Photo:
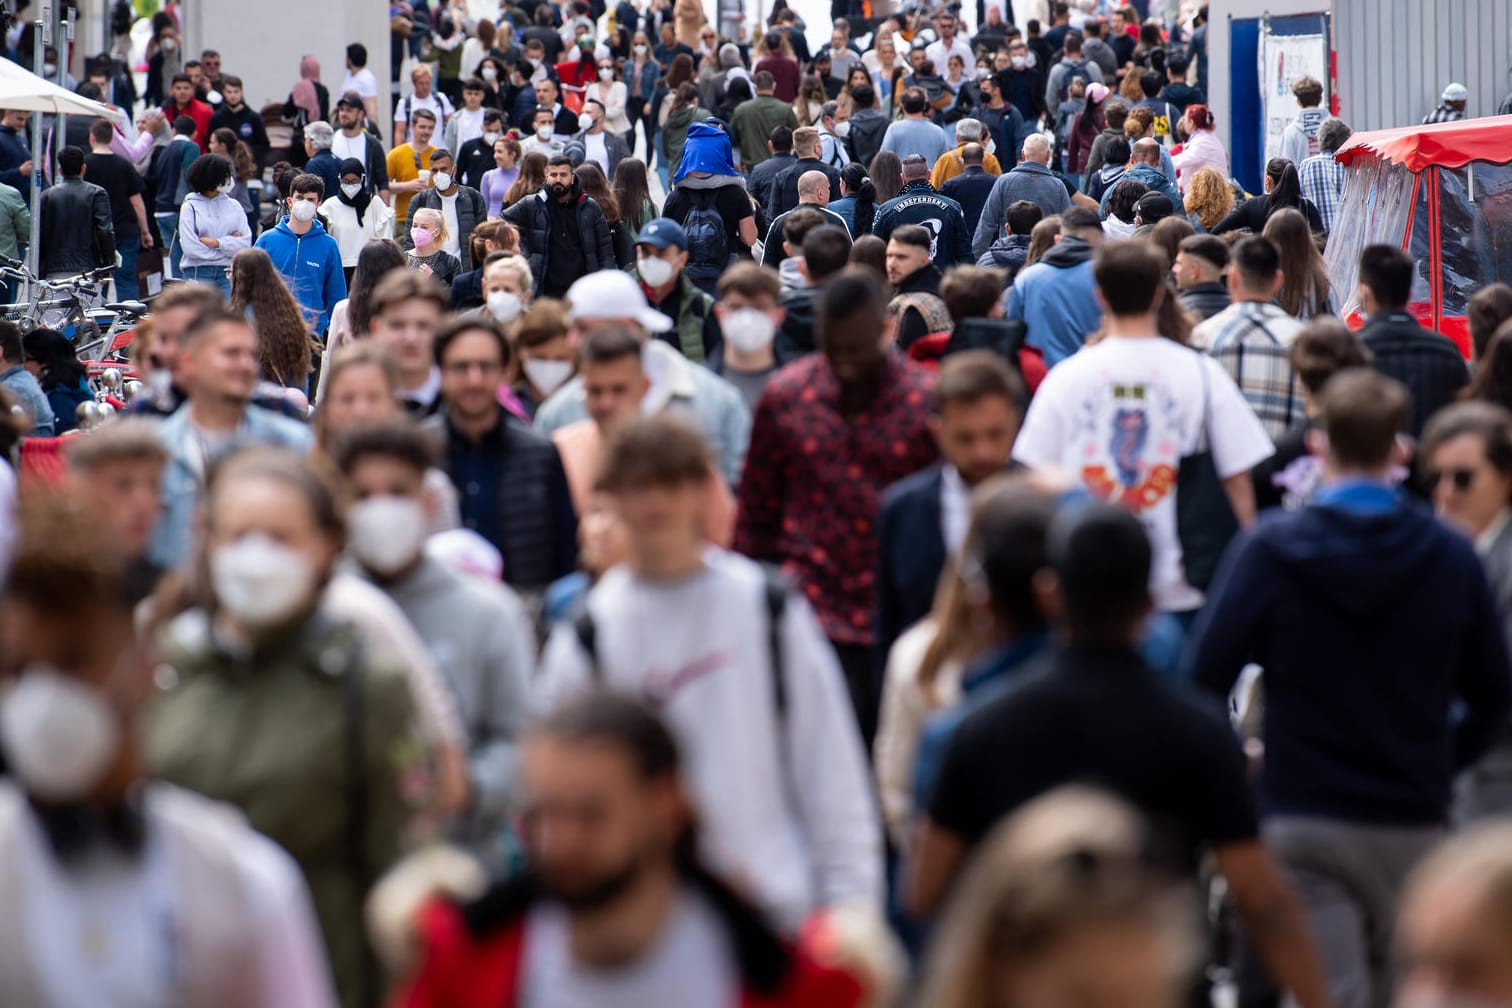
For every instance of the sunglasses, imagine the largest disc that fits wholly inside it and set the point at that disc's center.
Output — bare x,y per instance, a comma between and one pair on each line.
1461,478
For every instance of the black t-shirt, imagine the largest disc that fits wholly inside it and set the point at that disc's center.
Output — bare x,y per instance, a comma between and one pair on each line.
120,181
1103,719
731,201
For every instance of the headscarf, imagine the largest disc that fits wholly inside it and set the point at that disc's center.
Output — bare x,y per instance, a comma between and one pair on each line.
304,89
707,150
359,203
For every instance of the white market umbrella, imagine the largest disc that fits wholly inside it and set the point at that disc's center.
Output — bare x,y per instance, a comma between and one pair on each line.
23,90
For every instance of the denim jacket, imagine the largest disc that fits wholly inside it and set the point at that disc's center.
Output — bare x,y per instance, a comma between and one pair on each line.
184,475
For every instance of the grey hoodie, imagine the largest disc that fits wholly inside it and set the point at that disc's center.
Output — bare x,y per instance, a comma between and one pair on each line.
203,217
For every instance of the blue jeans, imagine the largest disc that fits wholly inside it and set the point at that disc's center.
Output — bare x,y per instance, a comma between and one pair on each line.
211,275
167,225
126,288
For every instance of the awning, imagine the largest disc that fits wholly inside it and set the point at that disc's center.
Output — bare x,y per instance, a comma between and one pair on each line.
23,90
1450,145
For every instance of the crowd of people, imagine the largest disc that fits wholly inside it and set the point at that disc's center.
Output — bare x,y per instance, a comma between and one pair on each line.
919,535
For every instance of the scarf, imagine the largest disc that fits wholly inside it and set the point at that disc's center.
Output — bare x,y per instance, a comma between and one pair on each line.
304,89
359,203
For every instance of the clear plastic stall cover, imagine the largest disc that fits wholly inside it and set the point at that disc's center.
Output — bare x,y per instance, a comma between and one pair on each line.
1374,209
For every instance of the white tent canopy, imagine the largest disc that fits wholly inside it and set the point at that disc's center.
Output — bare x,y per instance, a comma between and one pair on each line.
23,90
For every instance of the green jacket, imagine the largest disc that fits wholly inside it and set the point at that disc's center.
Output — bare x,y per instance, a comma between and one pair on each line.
15,221
695,326
752,123
270,733
674,133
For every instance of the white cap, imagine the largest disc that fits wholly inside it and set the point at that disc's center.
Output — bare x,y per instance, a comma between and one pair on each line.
1455,92
613,294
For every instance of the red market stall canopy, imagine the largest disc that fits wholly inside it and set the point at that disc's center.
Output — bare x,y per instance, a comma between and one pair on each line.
1449,145
1443,192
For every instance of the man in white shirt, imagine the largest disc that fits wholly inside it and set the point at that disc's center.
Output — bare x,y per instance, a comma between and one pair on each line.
1120,415
738,666
351,140
467,122
422,98
603,148
360,80
948,44
116,890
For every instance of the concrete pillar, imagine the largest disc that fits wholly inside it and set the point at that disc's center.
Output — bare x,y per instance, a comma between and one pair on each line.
262,43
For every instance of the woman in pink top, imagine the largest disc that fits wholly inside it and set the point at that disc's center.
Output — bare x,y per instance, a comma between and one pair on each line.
1203,149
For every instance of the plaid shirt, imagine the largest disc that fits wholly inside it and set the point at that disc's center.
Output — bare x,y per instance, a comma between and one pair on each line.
1250,340
1443,114
1323,183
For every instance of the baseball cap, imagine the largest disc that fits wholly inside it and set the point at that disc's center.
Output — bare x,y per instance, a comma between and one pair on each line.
662,232
1456,92
613,294
350,98
1154,206
1096,92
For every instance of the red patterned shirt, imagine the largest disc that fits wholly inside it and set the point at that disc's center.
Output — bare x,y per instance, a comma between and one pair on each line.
813,482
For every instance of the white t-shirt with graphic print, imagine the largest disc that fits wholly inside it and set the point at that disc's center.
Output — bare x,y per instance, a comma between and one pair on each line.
1119,415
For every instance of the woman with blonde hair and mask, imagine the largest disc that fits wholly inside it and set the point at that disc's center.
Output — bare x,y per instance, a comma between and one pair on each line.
429,256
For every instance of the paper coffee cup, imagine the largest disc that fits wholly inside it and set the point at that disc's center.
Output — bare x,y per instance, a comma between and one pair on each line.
425,176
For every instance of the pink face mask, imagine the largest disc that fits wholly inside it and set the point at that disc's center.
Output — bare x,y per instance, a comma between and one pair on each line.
421,236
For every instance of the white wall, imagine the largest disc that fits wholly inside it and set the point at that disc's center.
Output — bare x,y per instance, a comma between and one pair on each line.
262,42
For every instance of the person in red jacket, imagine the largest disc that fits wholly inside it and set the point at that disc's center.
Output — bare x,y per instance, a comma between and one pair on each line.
615,910
181,101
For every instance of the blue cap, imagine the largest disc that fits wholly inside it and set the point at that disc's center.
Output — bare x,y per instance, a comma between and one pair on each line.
663,232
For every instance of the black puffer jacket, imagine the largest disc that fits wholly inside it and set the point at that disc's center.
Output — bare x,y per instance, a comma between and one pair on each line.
532,215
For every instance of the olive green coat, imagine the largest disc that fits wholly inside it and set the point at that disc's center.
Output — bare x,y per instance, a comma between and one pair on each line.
269,732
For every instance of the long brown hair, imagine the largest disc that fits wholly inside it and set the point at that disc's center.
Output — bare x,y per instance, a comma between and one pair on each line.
1304,284
377,259
530,180
632,191
284,344
591,177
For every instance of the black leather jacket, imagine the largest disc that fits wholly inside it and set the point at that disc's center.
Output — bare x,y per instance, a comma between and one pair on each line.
77,234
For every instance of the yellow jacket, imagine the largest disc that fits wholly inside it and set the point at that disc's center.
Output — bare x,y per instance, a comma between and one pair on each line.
950,165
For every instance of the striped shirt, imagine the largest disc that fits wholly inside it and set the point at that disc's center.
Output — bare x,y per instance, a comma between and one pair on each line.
1250,340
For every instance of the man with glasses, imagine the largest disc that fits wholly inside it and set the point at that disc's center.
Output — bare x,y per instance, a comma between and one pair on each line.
511,486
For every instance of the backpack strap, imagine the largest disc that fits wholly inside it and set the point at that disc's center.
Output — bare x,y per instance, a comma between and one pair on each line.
776,589
587,637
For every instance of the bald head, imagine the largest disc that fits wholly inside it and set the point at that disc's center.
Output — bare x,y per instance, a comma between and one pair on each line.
1037,149
1147,151
813,187
972,154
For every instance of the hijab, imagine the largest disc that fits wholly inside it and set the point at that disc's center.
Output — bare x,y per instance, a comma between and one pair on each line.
304,89
359,203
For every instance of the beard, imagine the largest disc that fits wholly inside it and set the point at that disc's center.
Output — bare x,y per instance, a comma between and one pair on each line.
584,895
558,189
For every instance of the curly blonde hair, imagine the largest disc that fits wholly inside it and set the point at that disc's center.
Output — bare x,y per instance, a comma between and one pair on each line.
1209,196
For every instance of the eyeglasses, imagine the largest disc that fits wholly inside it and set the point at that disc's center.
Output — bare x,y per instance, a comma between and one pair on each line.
1461,478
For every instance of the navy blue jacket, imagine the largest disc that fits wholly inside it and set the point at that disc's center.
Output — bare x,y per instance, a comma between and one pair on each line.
328,166
970,189
911,555
14,152
1385,669
919,203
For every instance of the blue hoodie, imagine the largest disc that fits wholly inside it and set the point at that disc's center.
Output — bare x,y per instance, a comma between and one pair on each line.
311,265
1385,670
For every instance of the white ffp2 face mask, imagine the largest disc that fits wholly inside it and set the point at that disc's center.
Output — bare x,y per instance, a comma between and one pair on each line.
655,270
351,189
59,734
748,330
259,581
504,306
386,534
547,375
302,211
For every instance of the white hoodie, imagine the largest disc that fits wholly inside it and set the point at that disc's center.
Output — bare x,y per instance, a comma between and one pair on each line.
786,806
202,217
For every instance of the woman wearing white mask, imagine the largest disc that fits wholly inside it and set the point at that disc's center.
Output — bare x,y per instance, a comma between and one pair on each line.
547,358
609,91
354,216
278,706
641,73
429,255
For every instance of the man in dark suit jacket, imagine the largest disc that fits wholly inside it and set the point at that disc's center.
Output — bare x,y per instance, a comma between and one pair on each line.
979,403
1423,360
972,187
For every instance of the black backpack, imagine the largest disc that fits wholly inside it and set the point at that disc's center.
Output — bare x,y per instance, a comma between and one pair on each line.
708,241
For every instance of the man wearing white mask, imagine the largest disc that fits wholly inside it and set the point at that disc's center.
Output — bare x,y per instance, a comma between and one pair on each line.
119,889
477,632
749,316
308,259
613,298
661,259
603,148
